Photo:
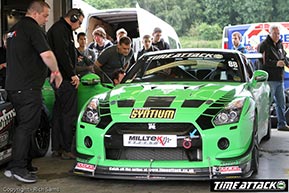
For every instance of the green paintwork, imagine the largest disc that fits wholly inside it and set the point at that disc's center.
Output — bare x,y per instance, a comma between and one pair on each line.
89,86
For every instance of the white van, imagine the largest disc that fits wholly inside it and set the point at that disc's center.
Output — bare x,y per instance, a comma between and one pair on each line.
136,21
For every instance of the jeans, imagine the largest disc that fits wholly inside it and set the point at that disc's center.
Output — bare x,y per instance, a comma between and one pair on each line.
277,94
27,104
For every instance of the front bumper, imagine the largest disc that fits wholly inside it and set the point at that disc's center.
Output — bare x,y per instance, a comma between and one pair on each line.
133,173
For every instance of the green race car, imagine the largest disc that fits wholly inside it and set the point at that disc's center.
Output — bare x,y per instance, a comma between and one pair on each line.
178,114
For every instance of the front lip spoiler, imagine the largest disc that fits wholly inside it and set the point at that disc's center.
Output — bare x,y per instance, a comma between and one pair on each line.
199,174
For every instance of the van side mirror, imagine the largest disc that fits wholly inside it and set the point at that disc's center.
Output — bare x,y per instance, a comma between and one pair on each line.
90,79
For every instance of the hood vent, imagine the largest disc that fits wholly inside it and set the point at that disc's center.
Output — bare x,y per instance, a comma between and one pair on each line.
159,101
193,103
125,103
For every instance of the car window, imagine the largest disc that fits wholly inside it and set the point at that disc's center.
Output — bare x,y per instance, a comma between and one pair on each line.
192,67
248,66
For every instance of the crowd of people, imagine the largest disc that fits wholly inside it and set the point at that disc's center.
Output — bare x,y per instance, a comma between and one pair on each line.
28,57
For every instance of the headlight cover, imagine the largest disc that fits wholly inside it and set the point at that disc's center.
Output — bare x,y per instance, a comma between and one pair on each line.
231,113
91,114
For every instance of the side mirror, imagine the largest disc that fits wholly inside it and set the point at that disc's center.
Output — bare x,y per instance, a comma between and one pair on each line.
90,79
259,76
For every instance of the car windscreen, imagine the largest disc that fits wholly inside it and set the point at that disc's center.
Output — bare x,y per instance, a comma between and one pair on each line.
190,67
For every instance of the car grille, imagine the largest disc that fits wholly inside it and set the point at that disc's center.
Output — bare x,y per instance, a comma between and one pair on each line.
147,154
161,128
116,151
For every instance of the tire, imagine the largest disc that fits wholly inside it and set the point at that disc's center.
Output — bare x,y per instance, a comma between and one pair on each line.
287,114
287,105
41,138
255,151
273,116
268,135
255,159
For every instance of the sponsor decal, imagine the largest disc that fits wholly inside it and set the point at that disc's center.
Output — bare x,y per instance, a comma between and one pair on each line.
4,139
130,140
230,163
250,185
185,55
227,170
152,113
152,126
159,170
11,34
6,117
85,167
5,154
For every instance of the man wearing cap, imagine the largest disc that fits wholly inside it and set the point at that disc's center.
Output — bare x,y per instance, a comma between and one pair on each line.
100,41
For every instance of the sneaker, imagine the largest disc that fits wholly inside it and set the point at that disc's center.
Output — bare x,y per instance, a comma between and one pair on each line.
67,155
26,177
8,174
285,128
32,169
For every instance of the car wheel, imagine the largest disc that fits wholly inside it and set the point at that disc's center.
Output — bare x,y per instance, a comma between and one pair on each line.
273,116
268,135
255,151
41,137
255,159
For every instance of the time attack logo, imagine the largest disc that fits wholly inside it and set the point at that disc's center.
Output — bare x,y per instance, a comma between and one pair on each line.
258,185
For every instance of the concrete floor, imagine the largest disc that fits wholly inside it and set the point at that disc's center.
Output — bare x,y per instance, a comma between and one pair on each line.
55,176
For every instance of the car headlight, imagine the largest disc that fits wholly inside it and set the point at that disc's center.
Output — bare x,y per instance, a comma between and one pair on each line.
91,114
231,113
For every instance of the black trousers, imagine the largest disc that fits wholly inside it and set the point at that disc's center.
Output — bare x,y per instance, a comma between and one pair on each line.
27,104
64,116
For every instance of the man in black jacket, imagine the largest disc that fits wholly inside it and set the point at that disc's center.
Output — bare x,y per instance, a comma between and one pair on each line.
60,38
274,60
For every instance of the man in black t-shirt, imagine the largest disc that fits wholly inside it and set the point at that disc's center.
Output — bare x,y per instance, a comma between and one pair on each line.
28,56
116,57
